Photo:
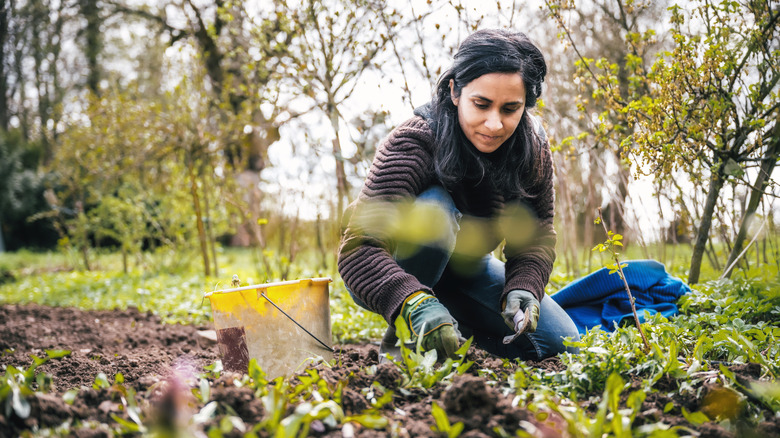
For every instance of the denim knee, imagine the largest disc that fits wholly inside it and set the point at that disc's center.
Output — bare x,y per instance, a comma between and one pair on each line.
427,258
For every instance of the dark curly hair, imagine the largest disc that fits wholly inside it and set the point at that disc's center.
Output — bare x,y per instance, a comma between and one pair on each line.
515,168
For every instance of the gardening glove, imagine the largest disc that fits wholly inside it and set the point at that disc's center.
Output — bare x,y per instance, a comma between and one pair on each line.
521,313
427,317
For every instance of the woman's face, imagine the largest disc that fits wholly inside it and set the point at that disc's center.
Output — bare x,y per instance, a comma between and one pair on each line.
490,108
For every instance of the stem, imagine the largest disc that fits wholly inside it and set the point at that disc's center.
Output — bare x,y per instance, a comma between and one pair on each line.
625,284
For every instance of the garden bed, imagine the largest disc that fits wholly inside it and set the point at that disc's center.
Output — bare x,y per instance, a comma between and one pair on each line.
116,372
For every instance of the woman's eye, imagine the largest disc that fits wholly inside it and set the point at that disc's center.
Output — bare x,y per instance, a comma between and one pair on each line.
481,105
511,110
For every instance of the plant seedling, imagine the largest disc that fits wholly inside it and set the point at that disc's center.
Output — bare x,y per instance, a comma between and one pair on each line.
614,240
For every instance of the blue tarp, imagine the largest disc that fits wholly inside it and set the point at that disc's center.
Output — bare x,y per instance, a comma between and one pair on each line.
600,298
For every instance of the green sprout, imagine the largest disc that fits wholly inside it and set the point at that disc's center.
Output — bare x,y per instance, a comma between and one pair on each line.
613,241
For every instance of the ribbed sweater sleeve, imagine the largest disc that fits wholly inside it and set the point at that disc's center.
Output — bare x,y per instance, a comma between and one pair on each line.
401,170
529,264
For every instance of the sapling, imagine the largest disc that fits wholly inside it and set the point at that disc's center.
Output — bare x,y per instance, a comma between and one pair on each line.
614,240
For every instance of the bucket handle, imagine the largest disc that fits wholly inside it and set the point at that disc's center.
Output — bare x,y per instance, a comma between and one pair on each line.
262,294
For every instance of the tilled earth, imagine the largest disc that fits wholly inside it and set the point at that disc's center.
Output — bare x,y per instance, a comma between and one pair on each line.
159,363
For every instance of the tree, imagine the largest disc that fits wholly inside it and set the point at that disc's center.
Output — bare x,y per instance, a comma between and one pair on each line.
337,41
706,106
93,42
21,188
716,102
620,38
6,10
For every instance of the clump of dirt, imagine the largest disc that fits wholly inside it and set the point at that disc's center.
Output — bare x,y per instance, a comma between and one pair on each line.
162,365
471,399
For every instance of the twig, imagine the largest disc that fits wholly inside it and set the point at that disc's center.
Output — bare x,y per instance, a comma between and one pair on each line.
731,266
610,245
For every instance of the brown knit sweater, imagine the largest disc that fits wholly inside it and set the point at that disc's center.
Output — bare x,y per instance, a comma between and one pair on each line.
401,170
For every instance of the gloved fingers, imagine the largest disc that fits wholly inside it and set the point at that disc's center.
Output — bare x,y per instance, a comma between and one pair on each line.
459,335
510,310
444,340
532,315
428,332
519,320
524,322
428,315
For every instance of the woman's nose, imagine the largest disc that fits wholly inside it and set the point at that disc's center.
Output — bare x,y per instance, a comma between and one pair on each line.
493,122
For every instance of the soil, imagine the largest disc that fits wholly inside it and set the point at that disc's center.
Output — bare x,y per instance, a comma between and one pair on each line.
161,363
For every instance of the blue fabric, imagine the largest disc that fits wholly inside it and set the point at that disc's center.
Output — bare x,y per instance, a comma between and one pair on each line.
600,298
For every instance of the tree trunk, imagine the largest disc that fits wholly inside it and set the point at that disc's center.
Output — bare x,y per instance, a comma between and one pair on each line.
212,241
5,17
320,245
767,167
23,116
702,234
569,218
204,249
92,43
341,175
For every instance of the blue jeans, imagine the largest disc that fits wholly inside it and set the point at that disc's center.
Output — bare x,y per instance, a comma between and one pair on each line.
473,299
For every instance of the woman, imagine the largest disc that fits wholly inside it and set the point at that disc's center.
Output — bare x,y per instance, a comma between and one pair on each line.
470,169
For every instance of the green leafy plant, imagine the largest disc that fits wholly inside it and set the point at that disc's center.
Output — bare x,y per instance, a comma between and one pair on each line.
613,241
19,384
420,368
443,423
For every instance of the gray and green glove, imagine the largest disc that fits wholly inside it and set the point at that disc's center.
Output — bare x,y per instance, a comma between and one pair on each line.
521,313
426,317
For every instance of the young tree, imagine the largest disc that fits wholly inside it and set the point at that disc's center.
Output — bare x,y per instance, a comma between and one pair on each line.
706,106
621,36
337,41
715,101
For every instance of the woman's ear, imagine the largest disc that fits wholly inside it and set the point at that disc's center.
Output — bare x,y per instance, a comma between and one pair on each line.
452,93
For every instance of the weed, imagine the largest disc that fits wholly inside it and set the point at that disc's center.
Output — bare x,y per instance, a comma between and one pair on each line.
443,423
419,369
19,384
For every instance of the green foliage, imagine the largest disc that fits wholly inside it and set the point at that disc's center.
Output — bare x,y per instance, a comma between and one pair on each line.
290,406
716,329
704,109
350,322
420,368
21,194
18,385
443,425
173,297
734,321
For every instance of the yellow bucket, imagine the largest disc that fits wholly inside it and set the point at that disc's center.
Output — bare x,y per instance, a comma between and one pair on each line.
282,325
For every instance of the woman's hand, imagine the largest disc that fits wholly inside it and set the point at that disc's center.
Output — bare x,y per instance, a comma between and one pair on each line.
427,317
521,311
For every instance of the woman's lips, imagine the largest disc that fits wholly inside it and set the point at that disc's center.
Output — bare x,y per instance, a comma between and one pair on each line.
490,137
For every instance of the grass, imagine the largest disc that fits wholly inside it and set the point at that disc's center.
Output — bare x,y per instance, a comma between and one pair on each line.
175,292
54,279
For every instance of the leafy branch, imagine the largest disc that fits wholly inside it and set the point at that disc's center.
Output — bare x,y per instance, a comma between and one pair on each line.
612,242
